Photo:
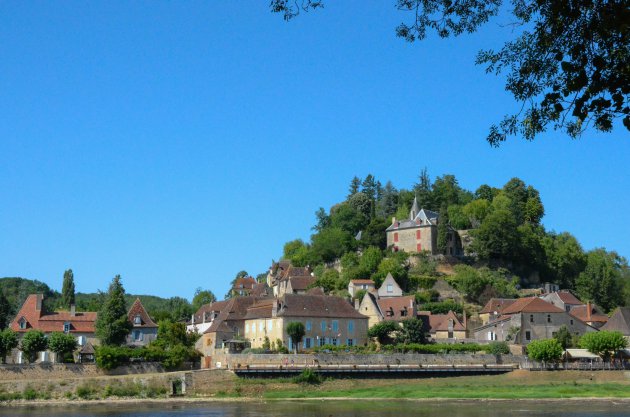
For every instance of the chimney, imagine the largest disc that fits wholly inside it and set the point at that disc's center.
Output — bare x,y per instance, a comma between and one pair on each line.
73,310
356,304
393,220
588,311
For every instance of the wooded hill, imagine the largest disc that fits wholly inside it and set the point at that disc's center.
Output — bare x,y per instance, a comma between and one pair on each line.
510,249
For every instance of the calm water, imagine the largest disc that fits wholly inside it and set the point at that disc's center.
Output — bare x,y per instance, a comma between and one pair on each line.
335,409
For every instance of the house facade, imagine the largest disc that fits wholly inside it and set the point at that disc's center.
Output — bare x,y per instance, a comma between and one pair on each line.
442,327
357,285
419,233
619,322
144,330
562,299
389,288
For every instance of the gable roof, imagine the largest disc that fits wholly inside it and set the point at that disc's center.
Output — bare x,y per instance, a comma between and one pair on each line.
423,217
301,283
440,322
568,298
393,308
531,305
36,318
306,305
246,283
137,309
497,304
619,321
581,313
389,279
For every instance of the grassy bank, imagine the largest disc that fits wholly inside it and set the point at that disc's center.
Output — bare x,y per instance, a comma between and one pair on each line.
516,385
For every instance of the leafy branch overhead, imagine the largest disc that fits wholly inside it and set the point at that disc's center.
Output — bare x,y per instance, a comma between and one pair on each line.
569,68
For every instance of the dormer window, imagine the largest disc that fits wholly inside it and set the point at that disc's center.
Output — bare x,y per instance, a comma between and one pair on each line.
66,327
137,319
22,323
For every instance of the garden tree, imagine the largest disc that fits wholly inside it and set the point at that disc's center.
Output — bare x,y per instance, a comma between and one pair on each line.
172,333
330,244
411,332
202,297
179,308
476,211
328,281
384,331
323,220
546,350
474,282
354,186
361,203
371,259
112,325
349,260
67,289
567,68
296,332
422,190
62,344
601,280
497,237
498,348
33,342
405,200
442,230
564,337
388,203
5,311
565,258
358,295
8,342
603,343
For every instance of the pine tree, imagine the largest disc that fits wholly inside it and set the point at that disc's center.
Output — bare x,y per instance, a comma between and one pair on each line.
112,325
442,230
354,186
5,311
67,290
422,190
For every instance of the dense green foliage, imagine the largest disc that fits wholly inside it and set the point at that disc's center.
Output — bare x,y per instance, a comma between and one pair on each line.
8,342
411,331
603,343
296,332
498,348
545,350
384,332
33,342
564,337
5,311
308,376
62,344
202,297
112,324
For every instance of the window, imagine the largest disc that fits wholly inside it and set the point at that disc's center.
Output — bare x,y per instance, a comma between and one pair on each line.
333,341
390,288
323,325
307,343
351,326
66,327
418,234
246,327
548,318
531,318
403,312
350,342
308,325
137,335
567,308
322,341
571,322
395,237
528,335
22,323
137,319
335,325
450,334
261,326
269,325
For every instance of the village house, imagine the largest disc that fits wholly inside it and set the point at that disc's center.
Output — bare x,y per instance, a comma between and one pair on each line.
144,329
357,285
32,316
619,322
419,233
494,308
528,319
443,326
243,286
379,309
285,278
389,288
562,299
589,314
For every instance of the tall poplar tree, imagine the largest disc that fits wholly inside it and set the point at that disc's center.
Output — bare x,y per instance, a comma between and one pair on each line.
67,290
5,311
112,324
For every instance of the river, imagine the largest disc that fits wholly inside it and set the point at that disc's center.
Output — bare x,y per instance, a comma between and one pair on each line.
389,408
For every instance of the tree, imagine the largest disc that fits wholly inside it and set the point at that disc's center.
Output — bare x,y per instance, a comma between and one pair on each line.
565,258
601,280
296,332
603,343
384,331
568,68
5,311
422,190
202,297
67,289
112,325
8,342
388,202
331,243
62,344
498,348
497,237
323,220
442,231
328,281
546,350
411,332
564,337
33,342
354,186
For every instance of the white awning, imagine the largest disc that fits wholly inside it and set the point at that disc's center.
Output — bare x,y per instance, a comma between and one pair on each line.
580,354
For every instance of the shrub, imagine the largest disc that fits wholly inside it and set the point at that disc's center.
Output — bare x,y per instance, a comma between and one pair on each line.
442,307
423,281
308,376
110,357
29,393
86,392
498,348
546,350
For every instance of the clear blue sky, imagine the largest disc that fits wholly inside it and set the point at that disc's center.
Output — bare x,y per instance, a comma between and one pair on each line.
176,143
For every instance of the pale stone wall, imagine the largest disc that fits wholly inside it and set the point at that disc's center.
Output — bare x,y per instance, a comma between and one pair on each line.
368,308
457,334
408,241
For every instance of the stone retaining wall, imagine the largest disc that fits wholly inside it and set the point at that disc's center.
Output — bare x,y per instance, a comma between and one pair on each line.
71,370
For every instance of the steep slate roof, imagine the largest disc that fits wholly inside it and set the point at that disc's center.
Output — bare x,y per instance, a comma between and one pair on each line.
301,283
581,313
32,311
396,305
304,305
497,304
531,305
137,309
423,218
619,321
234,309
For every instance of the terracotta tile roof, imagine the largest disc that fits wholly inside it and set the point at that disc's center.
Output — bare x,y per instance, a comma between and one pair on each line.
316,291
568,298
235,309
619,321
31,310
581,313
301,283
261,290
207,308
439,322
362,281
303,305
137,309
496,304
261,309
88,349
246,283
531,305
393,308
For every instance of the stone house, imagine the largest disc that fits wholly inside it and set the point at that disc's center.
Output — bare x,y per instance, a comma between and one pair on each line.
295,285
357,285
379,309
528,319
281,278
619,322
144,329
389,288
32,316
243,286
589,314
494,308
419,233
562,299
442,327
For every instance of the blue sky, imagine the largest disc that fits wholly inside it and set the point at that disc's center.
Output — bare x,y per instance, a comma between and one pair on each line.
176,143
